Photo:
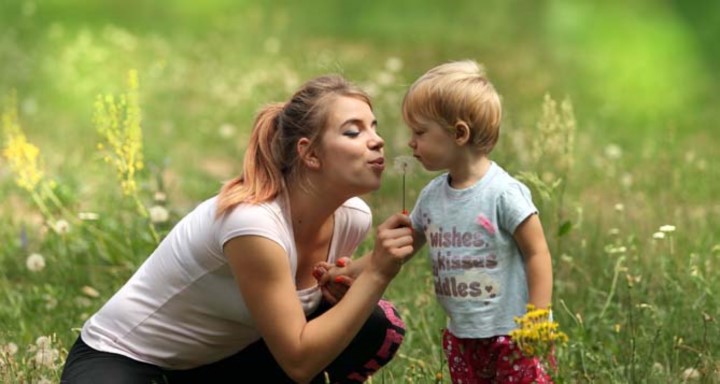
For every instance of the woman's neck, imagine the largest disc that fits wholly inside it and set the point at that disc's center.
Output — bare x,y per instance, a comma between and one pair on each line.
309,210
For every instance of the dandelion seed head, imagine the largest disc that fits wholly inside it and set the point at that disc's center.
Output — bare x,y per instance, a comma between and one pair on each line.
43,342
403,164
47,357
35,262
10,348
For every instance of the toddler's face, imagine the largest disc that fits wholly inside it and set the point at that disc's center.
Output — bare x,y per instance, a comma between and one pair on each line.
433,145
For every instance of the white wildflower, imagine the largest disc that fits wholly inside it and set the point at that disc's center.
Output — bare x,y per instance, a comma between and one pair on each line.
90,291
82,301
35,262
613,152
385,78
158,214
160,197
667,228
394,64
61,227
626,180
658,235
89,216
658,368
50,301
691,374
619,207
227,130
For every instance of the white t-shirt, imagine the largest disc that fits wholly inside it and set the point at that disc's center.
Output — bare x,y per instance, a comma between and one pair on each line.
478,270
182,308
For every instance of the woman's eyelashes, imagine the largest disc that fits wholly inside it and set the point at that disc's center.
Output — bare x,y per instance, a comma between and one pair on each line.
351,133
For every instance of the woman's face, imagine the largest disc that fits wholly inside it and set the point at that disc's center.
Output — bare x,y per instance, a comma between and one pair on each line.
351,152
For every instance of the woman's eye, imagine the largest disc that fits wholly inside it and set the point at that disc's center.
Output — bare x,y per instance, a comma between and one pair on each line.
351,133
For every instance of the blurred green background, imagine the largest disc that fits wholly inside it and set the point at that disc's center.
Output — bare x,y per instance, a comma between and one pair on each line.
641,75
642,78
642,68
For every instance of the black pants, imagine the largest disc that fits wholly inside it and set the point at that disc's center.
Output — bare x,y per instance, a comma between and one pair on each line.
373,347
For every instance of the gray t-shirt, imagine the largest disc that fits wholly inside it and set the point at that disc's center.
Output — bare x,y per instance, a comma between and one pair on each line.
477,267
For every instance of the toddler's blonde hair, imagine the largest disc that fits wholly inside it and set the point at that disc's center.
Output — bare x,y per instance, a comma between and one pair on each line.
454,92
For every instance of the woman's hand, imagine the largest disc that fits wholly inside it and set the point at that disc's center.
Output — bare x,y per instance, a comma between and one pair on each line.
393,246
334,280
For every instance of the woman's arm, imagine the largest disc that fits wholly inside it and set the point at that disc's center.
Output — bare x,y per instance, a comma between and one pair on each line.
303,348
530,238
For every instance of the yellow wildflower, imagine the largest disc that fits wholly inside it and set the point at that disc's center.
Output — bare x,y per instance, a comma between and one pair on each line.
118,122
537,333
23,156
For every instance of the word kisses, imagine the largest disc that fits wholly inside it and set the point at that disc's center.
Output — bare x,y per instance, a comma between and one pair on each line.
448,262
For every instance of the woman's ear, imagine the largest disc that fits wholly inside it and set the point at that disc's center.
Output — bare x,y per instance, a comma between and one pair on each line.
307,156
462,133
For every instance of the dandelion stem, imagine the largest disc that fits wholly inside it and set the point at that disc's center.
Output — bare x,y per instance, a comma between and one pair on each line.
403,192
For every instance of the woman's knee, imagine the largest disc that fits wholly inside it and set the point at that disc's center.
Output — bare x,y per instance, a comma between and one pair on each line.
395,329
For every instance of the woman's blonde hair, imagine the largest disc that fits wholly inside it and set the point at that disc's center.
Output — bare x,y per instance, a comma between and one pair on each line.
271,158
453,92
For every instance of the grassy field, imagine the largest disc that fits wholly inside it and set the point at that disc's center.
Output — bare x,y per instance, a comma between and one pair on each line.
610,116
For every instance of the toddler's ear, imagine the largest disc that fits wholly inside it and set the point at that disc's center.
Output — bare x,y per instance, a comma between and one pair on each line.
462,132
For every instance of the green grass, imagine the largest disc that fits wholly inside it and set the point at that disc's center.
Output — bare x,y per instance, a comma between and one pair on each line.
637,309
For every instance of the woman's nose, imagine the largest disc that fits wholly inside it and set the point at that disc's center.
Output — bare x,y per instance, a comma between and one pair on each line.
376,141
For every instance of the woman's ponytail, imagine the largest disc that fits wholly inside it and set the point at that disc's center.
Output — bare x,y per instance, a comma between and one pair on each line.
262,178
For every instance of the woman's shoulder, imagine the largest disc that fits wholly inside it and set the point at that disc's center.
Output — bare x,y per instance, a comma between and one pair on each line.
356,204
255,215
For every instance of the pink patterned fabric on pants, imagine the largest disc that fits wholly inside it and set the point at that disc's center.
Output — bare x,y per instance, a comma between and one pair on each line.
492,360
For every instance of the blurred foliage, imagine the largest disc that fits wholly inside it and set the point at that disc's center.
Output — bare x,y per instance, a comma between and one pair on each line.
640,77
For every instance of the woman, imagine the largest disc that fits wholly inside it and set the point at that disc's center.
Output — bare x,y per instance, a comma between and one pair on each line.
230,293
